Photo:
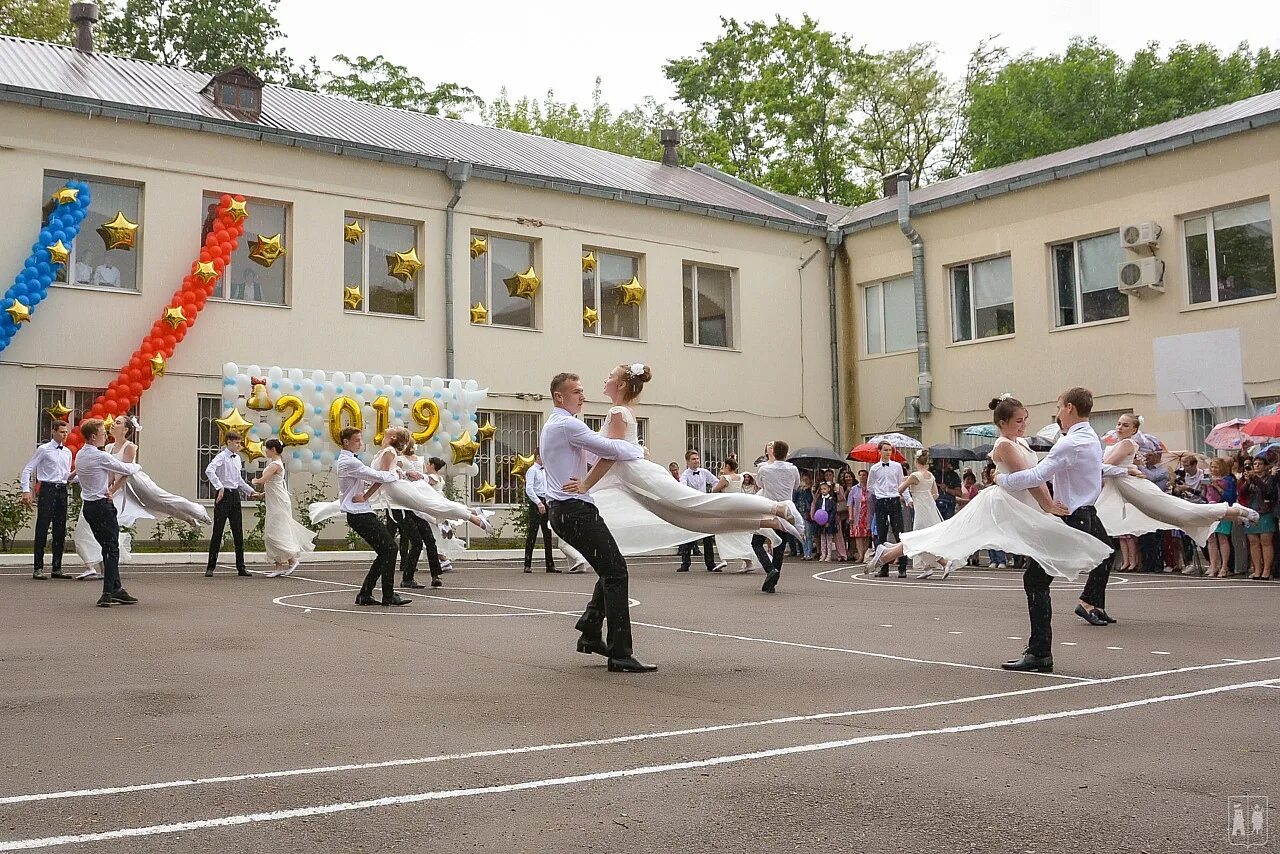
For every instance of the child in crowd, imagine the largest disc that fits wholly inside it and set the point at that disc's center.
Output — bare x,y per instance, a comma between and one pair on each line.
825,501
803,499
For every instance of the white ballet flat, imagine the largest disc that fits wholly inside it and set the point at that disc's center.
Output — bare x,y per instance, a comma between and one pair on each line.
951,567
876,559
293,565
928,573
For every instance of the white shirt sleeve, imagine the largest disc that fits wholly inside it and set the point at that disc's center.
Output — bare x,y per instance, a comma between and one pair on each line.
528,487
211,472
29,468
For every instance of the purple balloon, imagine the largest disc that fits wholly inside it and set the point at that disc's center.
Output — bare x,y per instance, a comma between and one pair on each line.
821,517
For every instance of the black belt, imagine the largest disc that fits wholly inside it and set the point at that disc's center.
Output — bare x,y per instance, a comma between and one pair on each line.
97,500
49,484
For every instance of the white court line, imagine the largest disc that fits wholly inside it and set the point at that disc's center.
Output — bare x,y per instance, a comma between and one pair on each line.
601,742
517,610
641,771
1118,583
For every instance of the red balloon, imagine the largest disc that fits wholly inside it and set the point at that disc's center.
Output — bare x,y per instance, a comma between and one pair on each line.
211,239
224,199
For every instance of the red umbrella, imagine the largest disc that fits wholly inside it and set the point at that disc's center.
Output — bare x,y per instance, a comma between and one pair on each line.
1266,426
869,453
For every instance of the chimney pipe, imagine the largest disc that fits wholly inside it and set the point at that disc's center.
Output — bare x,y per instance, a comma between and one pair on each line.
889,183
670,139
83,17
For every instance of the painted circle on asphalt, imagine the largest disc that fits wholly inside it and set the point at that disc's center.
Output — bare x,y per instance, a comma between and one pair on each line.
530,603
961,580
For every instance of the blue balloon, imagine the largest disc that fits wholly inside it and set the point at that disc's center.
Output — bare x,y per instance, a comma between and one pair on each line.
44,267
359,389
46,236
35,299
59,235
21,289
228,380
46,279
397,392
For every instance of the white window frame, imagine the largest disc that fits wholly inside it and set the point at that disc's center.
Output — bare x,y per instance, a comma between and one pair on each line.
364,221
78,399
973,310
879,289
534,245
208,410
1212,248
224,281
597,331
69,268
1078,285
731,309
496,469
596,422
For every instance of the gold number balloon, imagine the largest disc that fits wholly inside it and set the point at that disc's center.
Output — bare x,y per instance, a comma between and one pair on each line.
426,413
290,406
381,409
339,406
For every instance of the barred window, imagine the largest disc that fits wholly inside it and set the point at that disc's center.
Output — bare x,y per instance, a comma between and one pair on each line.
596,423
715,442
517,435
78,400
208,411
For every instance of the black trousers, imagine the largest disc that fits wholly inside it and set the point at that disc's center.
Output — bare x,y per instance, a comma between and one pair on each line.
889,519
224,511
708,552
1095,588
1035,582
1151,549
773,563
51,510
579,524
415,534
538,522
381,540
101,516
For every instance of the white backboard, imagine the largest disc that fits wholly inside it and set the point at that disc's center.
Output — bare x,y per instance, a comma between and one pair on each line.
1201,370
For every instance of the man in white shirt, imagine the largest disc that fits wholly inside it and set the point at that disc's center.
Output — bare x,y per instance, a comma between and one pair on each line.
225,475
354,480
883,481
564,445
696,477
1075,469
535,489
778,481
51,466
94,470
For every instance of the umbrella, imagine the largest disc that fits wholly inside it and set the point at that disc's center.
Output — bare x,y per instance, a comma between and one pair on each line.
1259,450
1039,443
1264,426
1050,433
951,452
869,452
1146,443
1269,409
897,440
1228,436
983,451
817,458
987,431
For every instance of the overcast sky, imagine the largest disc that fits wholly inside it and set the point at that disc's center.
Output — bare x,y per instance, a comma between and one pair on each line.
531,47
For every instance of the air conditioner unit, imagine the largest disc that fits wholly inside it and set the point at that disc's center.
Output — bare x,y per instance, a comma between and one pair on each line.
1142,276
1139,235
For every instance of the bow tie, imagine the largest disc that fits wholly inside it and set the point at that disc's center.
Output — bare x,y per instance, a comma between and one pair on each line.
59,447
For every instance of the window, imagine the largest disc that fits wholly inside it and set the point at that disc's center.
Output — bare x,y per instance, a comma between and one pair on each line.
92,264
982,299
367,265
602,291
708,306
246,279
1239,242
503,258
891,316
208,411
239,98
963,440
1104,421
1086,280
1203,420
517,435
78,400
595,422
715,442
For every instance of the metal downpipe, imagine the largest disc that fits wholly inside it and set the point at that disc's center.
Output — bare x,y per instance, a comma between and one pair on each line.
924,377
458,172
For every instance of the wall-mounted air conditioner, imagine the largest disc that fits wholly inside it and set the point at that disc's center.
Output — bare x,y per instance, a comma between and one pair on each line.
1142,276
1139,235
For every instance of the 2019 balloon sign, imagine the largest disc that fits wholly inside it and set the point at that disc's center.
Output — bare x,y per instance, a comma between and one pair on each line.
308,409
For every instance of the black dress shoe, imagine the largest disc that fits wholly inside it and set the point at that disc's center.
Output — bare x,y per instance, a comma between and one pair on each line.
396,599
630,665
365,599
1098,612
104,601
1031,663
435,582
770,581
528,569
883,573
902,573
122,597
1090,617
410,584
208,573
39,575
243,572
553,569
57,573
683,569
592,646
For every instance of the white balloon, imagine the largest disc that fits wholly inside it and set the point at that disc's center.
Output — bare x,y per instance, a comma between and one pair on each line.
437,384
471,385
275,373
308,388
314,466
230,369
330,391
358,378
318,378
253,371
348,389
455,386
339,378
473,399
377,381
294,465
295,375
416,382
473,469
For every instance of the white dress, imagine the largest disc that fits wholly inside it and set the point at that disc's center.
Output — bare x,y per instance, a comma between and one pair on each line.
926,510
284,537
417,496
87,548
647,510
1136,506
1011,522
738,546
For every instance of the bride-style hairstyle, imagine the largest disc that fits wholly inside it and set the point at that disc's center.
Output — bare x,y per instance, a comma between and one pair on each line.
633,377
1135,420
400,438
1003,408
922,458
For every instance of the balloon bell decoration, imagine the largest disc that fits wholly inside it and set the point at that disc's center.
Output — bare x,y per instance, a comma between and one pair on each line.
307,411
176,320
49,253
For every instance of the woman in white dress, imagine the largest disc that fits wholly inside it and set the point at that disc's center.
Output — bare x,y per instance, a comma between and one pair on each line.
284,537
644,508
1134,506
736,546
1023,522
923,488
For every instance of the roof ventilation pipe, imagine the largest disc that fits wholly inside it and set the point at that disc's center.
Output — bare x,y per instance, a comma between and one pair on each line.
670,139
83,17
924,378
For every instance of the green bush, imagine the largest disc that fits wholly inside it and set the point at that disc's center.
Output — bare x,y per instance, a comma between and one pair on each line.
13,513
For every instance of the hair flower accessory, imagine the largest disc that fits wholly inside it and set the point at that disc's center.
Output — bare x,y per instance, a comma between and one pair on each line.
1006,396
1141,420
636,369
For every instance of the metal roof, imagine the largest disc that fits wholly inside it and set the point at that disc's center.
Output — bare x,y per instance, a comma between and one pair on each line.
59,77
1258,111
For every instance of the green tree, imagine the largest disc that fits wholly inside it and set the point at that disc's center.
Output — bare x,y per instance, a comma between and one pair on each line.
42,20
379,81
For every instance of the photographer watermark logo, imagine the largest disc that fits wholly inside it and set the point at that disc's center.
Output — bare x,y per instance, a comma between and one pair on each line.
1248,821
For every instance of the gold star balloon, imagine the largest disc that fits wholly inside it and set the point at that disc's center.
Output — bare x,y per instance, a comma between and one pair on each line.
351,232
251,450
590,317
523,284
521,465
19,312
588,262
233,420
266,250
119,233
65,196
631,293
464,449
479,314
205,271
479,246
158,365
59,253
58,412
108,423
238,210
351,298
403,265
174,317
486,491
486,431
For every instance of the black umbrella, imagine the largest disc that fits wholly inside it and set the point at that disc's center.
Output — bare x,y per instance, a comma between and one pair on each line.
817,458
951,452
982,451
1039,443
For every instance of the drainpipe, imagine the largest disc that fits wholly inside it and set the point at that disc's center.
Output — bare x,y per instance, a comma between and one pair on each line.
457,172
924,378
834,237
